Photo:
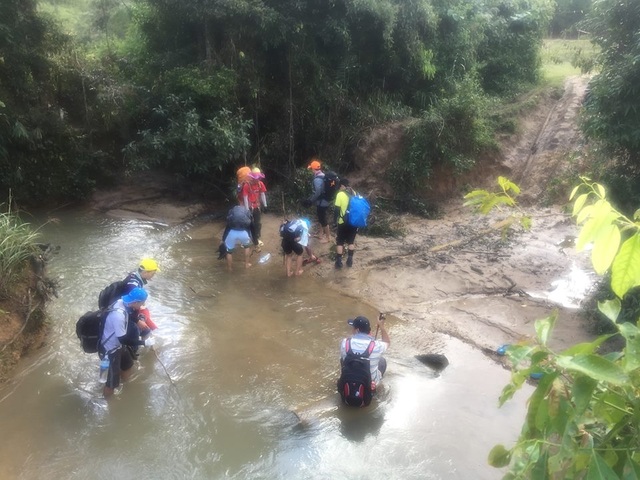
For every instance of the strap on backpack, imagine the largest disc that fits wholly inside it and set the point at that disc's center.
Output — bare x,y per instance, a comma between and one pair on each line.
366,353
126,318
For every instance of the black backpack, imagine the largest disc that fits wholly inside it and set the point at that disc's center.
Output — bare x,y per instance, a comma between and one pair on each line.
330,186
239,218
111,293
291,229
354,385
89,329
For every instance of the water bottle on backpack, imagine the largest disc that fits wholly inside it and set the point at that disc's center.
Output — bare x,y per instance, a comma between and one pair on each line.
104,369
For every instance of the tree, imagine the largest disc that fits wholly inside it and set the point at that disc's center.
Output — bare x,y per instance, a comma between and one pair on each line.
583,417
612,106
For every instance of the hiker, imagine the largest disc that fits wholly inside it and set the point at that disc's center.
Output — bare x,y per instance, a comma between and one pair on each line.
237,231
114,341
319,198
142,322
355,388
253,195
295,241
346,234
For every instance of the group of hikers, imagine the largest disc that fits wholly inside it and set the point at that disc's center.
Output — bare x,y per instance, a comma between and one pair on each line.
331,196
127,324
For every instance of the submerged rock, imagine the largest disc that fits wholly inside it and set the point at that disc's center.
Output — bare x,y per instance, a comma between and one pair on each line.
436,361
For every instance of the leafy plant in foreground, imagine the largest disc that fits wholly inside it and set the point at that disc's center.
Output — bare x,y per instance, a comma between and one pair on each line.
17,244
583,418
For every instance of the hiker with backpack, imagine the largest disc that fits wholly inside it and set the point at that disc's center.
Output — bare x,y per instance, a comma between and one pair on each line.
141,325
115,344
346,233
325,186
295,241
253,197
237,231
361,362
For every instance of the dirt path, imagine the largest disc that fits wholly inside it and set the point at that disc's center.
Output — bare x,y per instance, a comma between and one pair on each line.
457,275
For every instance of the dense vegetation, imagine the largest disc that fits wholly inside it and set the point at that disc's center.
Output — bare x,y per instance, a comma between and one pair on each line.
195,88
93,89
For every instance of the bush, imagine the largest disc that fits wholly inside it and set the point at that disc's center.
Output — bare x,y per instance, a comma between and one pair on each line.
17,245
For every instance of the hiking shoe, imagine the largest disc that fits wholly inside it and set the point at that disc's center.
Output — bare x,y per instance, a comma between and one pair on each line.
338,263
349,261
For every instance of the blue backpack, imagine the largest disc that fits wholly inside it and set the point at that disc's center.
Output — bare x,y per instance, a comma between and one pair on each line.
357,211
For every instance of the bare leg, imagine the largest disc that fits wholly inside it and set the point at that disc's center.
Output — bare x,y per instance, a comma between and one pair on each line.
247,254
287,265
327,233
299,270
229,261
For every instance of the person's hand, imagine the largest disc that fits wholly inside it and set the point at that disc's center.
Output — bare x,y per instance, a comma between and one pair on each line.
381,319
306,203
150,342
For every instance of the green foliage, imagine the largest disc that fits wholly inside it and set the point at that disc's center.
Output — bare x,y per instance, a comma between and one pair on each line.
567,17
582,417
563,57
612,107
180,140
17,245
452,133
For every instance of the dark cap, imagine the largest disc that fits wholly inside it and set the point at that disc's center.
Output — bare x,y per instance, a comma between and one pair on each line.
344,181
361,323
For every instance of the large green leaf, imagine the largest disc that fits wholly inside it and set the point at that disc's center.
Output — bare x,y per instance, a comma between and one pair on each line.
545,326
586,347
631,470
499,456
582,393
605,247
631,359
599,470
610,309
579,203
595,367
625,271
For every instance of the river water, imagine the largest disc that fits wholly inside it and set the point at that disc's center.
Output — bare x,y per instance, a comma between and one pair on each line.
241,384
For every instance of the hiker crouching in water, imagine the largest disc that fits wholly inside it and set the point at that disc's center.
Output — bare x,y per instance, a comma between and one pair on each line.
361,362
237,231
346,234
114,340
295,241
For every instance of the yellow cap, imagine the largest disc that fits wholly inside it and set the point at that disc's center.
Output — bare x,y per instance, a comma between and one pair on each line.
149,265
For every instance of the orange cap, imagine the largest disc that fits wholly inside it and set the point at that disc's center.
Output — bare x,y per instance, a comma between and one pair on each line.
314,165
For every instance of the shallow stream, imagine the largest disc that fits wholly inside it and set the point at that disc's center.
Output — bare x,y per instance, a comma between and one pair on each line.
241,384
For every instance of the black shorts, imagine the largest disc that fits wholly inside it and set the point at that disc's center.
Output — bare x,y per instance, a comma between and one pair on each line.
346,234
291,246
119,359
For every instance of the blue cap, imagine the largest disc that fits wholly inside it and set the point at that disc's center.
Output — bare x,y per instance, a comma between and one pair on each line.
136,295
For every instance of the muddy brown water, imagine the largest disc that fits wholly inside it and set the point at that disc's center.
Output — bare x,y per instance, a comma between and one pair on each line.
242,382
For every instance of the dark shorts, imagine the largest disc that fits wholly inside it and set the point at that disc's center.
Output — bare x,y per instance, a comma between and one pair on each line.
119,359
291,246
346,234
322,215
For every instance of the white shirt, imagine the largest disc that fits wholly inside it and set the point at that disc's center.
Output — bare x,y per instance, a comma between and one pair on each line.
359,343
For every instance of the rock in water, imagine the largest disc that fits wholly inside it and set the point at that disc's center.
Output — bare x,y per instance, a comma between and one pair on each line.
434,360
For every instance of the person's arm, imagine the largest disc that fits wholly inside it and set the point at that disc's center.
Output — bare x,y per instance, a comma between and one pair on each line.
318,184
383,331
263,199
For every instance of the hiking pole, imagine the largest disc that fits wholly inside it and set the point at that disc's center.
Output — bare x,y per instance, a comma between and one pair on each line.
165,368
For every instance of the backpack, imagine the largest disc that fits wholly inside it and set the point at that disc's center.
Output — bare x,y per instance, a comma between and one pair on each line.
239,218
357,211
89,329
291,229
330,186
111,293
354,385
